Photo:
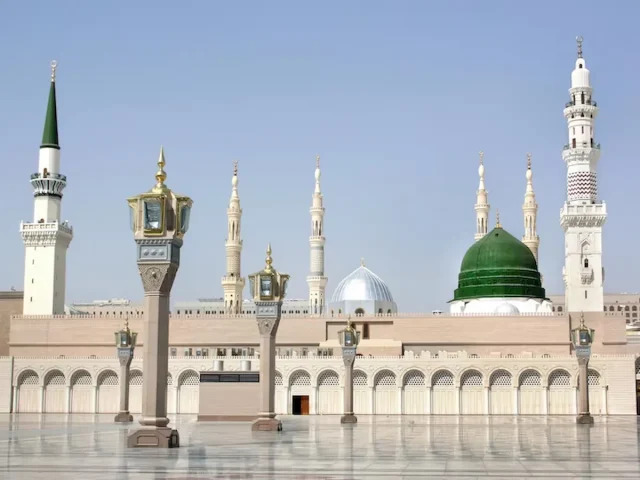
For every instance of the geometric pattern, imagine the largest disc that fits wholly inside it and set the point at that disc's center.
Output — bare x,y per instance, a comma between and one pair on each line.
530,378
582,185
501,378
414,377
559,378
471,379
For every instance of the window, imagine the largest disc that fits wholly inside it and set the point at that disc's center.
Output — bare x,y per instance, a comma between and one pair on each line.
573,143
585,294
634,308
559,309
586,263
221,352
582,129
174,352
187,352
626,309
365,331
205,352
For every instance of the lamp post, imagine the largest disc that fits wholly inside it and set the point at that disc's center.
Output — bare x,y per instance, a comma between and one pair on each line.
268,288
582,341
126,344
159,220
349,339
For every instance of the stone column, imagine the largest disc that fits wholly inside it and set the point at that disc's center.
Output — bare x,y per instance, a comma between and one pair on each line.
268,315
584,416
348,357
125,356
157,279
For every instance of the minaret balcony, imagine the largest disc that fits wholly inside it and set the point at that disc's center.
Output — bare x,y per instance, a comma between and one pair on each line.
587,215
46,226
586,102
48,184
232,280
569,146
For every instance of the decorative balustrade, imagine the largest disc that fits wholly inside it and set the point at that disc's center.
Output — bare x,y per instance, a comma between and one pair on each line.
44,226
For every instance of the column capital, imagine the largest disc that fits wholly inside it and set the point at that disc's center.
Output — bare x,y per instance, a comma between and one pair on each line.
348,356
157,277
125,356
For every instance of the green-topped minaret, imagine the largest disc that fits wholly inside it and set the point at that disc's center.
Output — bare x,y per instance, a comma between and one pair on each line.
47,237
50,134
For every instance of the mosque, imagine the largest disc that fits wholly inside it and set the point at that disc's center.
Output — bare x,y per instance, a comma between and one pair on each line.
502,349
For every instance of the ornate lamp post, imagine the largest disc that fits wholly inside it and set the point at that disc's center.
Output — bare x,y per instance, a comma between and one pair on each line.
582,341
159,220
349,339
126,344
268,288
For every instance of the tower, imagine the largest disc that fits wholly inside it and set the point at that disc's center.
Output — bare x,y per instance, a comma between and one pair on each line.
232,282
482,207
530,213
582,215
316,280
47,238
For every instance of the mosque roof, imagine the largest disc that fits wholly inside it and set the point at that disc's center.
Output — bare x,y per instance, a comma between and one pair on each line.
362,285
499,265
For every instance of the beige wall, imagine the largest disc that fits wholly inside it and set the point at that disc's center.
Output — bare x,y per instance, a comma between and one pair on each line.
84,336
10,304
229,401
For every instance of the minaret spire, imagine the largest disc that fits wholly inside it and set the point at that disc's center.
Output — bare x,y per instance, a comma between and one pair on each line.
583,214
47,238
481,207
50,133
233,282
316,280
530,212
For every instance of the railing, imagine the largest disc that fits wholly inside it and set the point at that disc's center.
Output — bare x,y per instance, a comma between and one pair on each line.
569,146
55,176
571,103
46,226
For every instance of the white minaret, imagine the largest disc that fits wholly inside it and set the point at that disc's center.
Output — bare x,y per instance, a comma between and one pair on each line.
47,238
316,280
530,213
482,207
582,215
232,282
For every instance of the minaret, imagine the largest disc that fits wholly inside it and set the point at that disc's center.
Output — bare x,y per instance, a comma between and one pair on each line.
582,215
530,212
316,280
232,282
47,238
482,207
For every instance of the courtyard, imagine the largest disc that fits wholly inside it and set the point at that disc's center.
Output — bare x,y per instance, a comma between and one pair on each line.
92,447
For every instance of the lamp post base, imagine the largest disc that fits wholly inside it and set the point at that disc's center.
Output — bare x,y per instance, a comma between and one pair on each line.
154,437
123,417
584,419
349,418
267,425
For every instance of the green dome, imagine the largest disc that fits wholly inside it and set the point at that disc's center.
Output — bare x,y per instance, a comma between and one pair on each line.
499,265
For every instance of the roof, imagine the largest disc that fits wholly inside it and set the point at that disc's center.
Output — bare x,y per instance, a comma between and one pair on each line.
361,285
499,265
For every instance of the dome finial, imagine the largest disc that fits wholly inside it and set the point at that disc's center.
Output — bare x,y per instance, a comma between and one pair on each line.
235,168
362,262
317,175
579,40
481,157
528,161
498,225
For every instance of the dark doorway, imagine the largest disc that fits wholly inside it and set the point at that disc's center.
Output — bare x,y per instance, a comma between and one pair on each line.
300,405
638,397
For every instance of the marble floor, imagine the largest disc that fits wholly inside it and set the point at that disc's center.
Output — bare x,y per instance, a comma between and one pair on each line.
92,447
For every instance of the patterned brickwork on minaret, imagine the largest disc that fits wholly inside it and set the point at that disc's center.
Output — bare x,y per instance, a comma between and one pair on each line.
583,214
232,282
316,280
47,237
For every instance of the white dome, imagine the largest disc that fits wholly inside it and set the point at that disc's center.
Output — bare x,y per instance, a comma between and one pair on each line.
507,308
362,285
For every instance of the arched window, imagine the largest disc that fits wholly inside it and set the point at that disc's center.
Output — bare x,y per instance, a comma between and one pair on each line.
379,311
586,263
359,311
560,309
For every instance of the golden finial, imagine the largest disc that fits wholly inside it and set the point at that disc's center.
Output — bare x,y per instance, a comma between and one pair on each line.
362,261
268,260
317,161
54,65
235,168
582,320
349,326
481,157
579,40
528,161
161,176
126,323
498,219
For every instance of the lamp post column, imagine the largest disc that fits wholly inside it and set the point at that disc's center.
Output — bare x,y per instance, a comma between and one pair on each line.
584,415
125,356
268,316
348,357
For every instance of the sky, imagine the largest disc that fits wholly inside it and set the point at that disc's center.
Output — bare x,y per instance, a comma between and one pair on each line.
397,97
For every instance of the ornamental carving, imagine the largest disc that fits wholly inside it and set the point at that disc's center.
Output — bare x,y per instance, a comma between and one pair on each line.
268,326
158,277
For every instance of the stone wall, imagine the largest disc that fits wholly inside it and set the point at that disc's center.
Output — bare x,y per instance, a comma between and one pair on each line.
10,305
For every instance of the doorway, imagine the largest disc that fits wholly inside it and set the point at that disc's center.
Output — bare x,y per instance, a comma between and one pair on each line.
300,405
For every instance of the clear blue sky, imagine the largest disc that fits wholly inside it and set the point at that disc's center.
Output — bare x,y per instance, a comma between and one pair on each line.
397,98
